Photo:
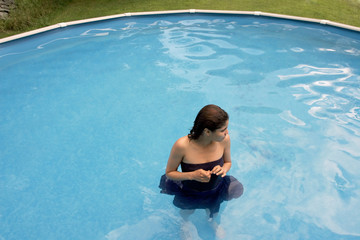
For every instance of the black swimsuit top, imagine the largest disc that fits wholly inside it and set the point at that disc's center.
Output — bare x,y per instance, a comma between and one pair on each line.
200,186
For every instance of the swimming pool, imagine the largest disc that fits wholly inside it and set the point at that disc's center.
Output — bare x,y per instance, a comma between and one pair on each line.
89,114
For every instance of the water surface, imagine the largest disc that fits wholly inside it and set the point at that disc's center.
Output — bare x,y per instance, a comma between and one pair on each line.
88,115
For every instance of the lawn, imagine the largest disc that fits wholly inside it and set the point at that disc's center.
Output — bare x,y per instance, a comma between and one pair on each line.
30,14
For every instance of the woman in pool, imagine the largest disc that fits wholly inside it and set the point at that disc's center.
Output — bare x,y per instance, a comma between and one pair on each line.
204,156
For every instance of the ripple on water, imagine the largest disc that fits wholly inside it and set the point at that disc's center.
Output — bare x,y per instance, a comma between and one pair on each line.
333,96
199,50
252,51
289,117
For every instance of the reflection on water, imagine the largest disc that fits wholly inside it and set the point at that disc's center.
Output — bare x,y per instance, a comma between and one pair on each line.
331,93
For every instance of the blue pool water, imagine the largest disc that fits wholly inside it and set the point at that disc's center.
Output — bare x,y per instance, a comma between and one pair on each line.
88,115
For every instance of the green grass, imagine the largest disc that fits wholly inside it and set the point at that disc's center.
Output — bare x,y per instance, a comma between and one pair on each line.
32,14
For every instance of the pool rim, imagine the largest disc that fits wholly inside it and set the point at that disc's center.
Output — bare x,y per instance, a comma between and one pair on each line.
130,14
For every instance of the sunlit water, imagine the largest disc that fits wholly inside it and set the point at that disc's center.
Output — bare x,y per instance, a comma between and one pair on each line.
88,115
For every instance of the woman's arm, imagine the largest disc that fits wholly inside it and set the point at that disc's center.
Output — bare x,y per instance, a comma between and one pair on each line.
176,156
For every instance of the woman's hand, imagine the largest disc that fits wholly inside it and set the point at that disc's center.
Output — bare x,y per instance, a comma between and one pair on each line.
201,175
218,170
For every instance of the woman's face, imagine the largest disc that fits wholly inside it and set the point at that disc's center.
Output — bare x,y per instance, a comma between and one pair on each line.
220,133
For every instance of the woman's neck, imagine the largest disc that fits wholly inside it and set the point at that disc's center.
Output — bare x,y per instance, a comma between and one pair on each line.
203,141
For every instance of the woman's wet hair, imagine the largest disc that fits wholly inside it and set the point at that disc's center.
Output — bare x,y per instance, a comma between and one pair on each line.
211,117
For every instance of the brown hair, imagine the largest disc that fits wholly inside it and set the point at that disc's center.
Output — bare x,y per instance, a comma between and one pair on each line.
211,117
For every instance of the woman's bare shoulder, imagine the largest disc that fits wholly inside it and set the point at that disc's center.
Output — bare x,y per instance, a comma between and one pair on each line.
182,143
180,146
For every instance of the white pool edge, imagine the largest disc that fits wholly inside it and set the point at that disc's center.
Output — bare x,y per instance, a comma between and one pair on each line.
254,13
